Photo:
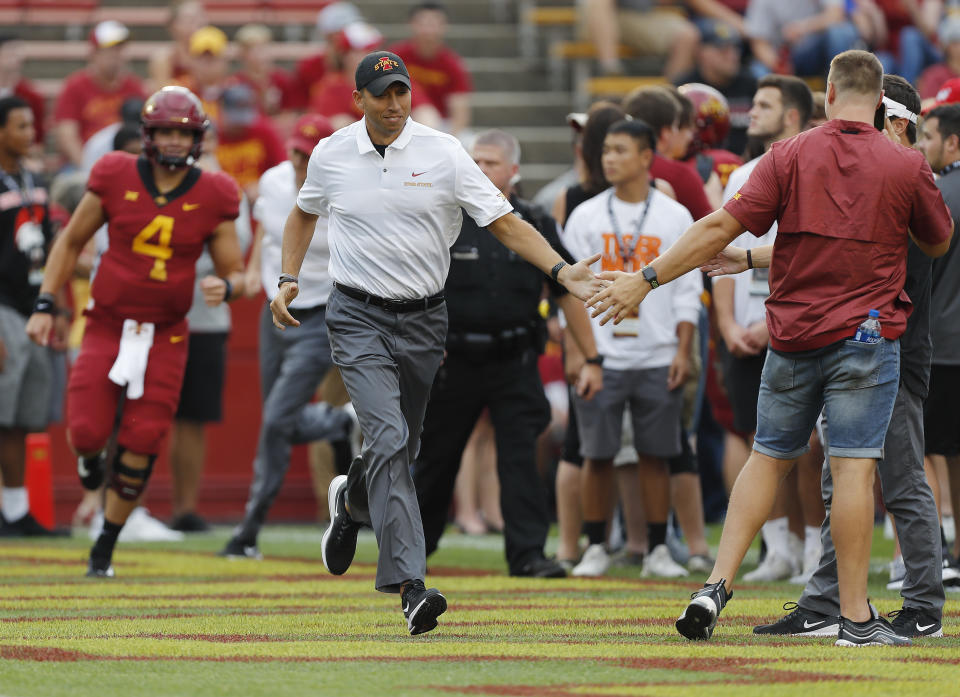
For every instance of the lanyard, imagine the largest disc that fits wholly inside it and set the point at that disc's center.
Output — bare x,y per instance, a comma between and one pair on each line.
627,254
949,168
26,191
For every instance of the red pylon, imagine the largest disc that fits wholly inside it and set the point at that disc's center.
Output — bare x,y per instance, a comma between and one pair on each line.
39,478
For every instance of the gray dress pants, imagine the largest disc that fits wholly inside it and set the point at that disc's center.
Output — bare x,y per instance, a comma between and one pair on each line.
292,364
908,497
388,362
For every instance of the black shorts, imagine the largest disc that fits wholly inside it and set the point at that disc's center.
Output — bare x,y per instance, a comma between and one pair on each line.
571,442
201,397
941,419
741,378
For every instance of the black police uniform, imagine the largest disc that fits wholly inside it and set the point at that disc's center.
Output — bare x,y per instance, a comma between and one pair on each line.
495,335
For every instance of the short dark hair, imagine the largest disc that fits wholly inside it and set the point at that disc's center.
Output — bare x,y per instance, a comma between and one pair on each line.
899,90
123,136
948,120
637,129
655,105
794,93
8,104
599,119
427,7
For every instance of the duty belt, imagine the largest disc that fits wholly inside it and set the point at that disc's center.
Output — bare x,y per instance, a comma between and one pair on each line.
418,304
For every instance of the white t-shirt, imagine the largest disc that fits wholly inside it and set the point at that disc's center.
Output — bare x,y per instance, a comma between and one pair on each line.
589,230
394,218
277,197
751,288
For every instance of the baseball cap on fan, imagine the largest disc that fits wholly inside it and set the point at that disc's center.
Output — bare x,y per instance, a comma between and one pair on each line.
380,69
309,130
949,93
108,34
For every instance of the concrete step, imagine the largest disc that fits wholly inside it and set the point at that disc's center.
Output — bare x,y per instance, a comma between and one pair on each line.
534,177
494,109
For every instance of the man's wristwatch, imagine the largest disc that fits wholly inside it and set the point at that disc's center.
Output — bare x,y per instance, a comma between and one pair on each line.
595,360
286,278
650,276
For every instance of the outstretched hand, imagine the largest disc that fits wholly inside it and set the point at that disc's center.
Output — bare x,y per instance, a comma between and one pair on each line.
621,296
278,306
729,260
579,280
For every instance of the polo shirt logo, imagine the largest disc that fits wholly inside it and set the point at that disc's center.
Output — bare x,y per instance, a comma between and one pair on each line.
737,196
422,185
386,63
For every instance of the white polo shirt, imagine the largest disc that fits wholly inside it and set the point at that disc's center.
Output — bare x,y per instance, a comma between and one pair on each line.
394,218
752,287
277,196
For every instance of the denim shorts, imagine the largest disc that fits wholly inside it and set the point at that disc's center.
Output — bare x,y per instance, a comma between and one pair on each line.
853,382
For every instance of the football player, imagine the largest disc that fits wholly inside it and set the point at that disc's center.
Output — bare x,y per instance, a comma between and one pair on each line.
161,211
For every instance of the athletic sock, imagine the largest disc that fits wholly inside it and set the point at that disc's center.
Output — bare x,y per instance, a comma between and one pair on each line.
775,534
15,503
811,541
102,551
596,531
656,535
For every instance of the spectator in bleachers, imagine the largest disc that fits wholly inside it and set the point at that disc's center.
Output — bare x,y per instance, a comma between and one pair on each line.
249,142
13,83
932,78
333,96
728,11
436,67
797,36
102,142
661,111
718,65
170,64
309,73
91,97
209,68
659,31
270,84
902,33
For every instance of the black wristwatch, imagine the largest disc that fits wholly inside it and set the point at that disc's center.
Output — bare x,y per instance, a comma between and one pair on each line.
650,276
595,360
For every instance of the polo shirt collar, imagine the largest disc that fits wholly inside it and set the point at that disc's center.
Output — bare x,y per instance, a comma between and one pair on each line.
365,145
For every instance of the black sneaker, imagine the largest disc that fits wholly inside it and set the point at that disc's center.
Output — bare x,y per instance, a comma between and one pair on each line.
91,471
700,617
339,542
189,522
98,570
540,567
27,526
422,606
800,622
912,622
876,631
240,549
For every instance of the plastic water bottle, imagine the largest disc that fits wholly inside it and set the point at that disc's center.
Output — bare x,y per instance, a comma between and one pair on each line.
869,331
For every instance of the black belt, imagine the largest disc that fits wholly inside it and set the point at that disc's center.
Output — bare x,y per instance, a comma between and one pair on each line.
299,313
418,304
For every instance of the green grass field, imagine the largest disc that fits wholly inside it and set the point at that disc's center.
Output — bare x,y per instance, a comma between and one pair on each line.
180,621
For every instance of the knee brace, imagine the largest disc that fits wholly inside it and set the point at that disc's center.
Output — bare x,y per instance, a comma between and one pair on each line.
129,490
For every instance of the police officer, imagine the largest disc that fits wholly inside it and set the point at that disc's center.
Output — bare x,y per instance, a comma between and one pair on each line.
495,335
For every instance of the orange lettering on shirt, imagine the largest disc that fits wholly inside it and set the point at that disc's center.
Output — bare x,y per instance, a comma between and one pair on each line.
646,250
245,160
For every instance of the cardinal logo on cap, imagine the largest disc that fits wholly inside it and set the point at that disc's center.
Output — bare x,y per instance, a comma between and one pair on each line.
386,64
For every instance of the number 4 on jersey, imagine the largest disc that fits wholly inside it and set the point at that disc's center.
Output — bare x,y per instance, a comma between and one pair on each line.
161,250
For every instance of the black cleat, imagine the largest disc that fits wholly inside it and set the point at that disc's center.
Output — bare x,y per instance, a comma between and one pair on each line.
912,622
541,567
339,542
97,570
422,606
91,471
876,631
240,549
190,522
700,617
27,526
800,622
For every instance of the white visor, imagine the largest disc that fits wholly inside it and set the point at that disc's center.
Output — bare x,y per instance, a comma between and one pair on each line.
896,110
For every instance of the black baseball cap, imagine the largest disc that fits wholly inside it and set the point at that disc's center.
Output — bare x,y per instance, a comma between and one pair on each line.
380,69
719,33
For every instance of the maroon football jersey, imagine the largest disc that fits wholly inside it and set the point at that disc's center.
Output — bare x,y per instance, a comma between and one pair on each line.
148,271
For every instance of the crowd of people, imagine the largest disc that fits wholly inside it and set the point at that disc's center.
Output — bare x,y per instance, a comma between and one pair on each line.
439,313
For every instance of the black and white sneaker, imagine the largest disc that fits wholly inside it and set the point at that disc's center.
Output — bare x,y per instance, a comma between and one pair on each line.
700,617
800,622
950,575
876,631
339,542
91,471
913,622
422,606
98,570
240,549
